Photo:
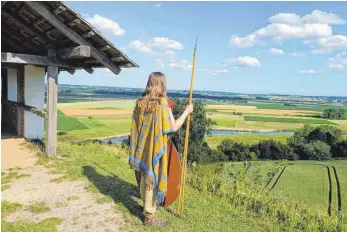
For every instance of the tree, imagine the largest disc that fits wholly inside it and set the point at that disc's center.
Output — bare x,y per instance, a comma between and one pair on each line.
334,113
270,149
235,151
317,150
327,134
339,150
200,126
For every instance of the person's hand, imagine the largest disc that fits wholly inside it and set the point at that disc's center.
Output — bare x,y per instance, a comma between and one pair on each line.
189,108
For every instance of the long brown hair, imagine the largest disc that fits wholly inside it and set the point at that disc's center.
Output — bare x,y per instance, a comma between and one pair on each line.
155,90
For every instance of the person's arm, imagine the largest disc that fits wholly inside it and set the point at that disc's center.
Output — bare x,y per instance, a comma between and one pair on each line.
176,124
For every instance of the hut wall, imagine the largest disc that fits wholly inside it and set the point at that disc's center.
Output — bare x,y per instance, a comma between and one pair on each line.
34,95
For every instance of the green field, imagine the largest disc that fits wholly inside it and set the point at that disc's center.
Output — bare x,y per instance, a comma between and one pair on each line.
287,120
215,140
66,123
225,123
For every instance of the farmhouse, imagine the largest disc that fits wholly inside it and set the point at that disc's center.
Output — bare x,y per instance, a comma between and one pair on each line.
38,40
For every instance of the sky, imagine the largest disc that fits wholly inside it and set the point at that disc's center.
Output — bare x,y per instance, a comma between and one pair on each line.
244,47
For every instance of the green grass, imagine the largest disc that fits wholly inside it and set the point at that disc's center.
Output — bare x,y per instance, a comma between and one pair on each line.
305,182
73,198
9,207
225,123
8,177
287,120
108,173
66,123
207,205
215,140
102,126
47,225
39,207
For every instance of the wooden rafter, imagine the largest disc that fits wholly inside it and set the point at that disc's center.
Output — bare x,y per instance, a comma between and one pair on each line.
7,57
81,51
51,18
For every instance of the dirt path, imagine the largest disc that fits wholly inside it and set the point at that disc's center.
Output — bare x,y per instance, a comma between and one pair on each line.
14,154
67,200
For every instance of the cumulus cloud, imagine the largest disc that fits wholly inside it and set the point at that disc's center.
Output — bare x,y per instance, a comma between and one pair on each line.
277,51
338,62
297,54
336,66
246,41
213,72
165,43
288,26
183,64
286,18
318,16
243,61
139,46
106,25
160,63
328,44
309,71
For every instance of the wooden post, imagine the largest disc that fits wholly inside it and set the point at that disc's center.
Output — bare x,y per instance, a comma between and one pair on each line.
52,99
20,99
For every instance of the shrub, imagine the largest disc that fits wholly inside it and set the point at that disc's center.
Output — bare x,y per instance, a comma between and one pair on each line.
235,151
317,150
334,113
339,149
200,125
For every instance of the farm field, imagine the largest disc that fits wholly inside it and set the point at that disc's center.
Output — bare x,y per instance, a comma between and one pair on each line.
215,140
304,181
287,120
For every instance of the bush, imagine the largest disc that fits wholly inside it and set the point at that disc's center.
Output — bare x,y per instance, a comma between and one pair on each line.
317,150
334,113
235,151
340,149
270,149
327,134
217,155
200,125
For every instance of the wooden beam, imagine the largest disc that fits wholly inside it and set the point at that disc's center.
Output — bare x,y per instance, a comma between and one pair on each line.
22,106
7,57
52,113
103,59
81,51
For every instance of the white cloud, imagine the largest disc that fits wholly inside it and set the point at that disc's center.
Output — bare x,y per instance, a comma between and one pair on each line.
243,61
284,31
288,26
297,54
170,53
338,62
338,42
157,5
106,25
277,51
139,46
318,16
336,66
183,64
165,43
246,41
286,18
213,72
309,71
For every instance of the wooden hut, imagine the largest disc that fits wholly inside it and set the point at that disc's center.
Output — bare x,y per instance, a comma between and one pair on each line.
41,39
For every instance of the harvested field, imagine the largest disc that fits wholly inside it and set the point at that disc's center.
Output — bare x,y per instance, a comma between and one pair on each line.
94,112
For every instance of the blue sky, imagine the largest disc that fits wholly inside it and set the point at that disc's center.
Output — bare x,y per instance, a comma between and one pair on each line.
248,47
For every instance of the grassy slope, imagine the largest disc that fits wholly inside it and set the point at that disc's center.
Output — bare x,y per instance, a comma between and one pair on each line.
215,140
103,166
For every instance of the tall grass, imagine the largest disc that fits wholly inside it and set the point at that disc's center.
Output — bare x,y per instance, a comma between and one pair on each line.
290,215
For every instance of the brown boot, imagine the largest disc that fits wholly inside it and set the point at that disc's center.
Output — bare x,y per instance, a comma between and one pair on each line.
152,221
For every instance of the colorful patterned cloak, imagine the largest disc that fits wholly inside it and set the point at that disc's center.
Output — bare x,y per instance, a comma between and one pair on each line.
148,145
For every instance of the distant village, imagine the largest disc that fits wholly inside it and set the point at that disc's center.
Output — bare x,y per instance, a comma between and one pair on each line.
212,96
